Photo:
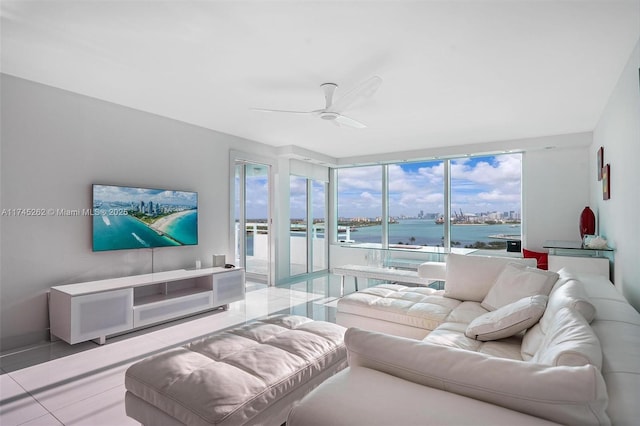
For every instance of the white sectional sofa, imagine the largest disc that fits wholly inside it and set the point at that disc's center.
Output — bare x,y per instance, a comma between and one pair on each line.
421,356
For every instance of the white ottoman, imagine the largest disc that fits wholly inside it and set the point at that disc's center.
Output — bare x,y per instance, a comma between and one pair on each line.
247,375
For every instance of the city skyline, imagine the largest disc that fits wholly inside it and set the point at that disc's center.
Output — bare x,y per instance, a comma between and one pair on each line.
124,194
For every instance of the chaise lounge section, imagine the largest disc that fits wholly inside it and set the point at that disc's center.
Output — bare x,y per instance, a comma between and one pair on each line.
569,356
416,311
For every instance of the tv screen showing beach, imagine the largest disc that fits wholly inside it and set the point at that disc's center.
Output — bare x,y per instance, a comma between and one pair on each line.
134,218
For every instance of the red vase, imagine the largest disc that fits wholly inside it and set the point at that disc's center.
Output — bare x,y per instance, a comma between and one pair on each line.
587,222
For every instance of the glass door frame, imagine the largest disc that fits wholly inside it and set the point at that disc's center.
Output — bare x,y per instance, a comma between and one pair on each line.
311,267
241,158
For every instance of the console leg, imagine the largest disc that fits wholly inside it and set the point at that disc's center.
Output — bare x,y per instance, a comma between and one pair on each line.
100,340
341,285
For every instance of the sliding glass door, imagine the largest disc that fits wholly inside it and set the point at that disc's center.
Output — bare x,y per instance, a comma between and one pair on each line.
252,220
308,211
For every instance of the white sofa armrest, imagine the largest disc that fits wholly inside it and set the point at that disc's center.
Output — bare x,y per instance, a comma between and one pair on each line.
432,270
363,396
568,395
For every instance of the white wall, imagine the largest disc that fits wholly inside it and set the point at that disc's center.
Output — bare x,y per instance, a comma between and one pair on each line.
618,132
555,188
55,144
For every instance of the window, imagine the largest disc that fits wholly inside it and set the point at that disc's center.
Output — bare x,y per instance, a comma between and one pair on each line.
485,201
308,248
483,210
360,204
416,203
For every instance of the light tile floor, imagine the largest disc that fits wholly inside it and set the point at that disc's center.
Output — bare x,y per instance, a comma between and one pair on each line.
60,384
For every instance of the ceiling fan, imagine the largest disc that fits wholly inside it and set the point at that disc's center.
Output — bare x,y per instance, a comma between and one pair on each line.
333,109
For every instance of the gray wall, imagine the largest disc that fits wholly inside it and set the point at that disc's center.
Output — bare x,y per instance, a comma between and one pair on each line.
618,132
55,144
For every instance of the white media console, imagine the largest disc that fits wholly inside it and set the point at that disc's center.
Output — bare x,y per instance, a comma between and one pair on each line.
97,309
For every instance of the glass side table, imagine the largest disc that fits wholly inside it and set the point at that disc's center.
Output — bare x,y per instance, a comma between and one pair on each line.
576,248
574,255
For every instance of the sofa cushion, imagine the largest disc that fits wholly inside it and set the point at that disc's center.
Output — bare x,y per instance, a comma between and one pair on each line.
466,312
451,334
570,340
517,281
567,292
564,394
508,320
471,277
570,294
419,307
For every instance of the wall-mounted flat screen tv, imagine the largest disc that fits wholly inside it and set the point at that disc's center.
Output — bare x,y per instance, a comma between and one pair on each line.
133,218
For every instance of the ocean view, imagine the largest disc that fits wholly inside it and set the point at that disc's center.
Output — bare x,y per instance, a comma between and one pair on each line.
423,231
427,232
121,231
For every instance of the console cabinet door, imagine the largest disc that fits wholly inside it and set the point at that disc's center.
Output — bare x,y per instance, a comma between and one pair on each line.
228,287
98,315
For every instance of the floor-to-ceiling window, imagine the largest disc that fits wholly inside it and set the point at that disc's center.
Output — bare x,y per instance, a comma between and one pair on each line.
416,204
359,204
319,240
308,248
298,215
252,219
458,203
485,201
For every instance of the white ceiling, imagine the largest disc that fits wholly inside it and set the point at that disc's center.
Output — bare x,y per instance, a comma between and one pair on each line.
454,72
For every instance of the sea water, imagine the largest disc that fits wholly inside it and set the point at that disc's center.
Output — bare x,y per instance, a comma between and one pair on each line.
121,231
185,228
424,232
427,232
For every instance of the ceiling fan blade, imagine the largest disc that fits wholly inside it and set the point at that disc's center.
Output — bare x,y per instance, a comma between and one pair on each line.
364,90
341,119
284,111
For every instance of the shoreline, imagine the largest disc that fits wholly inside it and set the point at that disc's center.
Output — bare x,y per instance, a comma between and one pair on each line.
163,223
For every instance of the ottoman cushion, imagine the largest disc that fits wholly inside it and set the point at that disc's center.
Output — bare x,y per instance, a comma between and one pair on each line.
232,376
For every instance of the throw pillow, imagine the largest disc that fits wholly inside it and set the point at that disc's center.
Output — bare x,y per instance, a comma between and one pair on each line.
517,281
508,320
541,258
470,277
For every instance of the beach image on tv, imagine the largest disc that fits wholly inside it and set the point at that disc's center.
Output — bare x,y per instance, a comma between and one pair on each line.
132,218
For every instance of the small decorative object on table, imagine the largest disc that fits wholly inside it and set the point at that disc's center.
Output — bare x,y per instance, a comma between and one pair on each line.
596,242
587,222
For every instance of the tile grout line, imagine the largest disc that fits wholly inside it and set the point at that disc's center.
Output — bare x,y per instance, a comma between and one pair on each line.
28,395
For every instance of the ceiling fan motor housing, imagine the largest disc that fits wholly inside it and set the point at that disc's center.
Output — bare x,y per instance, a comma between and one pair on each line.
328,115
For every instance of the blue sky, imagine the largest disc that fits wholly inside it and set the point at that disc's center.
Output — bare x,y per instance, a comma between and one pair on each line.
134,194
479,184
